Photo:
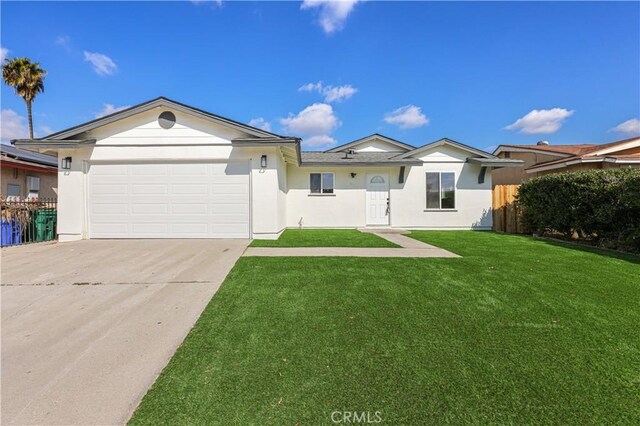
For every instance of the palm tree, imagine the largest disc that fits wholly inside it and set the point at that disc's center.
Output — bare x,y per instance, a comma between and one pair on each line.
27,78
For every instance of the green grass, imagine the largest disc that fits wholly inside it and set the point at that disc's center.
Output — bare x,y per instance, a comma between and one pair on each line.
518,331
324,238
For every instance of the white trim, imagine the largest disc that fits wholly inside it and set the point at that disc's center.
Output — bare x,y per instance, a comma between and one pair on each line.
445,141
455,192
321,193
403,146
631,144
542,168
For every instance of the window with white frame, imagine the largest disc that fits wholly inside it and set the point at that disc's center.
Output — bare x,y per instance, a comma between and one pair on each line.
441,190
321,183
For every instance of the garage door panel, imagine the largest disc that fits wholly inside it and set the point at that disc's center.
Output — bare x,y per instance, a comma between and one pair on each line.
189,189
149,209
189,208
230,188
149,170
110,189
149,188
189,228
183,200
190,170
151,229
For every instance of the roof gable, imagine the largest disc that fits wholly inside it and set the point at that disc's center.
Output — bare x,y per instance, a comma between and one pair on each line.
446,142
155,103
396,146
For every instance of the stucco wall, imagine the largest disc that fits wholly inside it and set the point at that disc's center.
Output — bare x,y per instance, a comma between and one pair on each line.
280,192
48,181
140,138
343,209
346,208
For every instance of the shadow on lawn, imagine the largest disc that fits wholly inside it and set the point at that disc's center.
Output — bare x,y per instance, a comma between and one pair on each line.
629,257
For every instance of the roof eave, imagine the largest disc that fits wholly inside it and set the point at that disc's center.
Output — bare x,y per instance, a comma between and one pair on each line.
495,163
360,164
444,141
53,145
154,103
406,147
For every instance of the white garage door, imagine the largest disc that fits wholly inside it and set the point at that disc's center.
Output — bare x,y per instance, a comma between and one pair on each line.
178,200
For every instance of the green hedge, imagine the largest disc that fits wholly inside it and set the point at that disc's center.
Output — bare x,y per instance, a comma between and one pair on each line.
597,205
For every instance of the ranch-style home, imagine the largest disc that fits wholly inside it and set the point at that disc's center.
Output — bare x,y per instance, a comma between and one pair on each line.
162,169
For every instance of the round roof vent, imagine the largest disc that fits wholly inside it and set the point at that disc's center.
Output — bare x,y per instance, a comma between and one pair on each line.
543,143
167,119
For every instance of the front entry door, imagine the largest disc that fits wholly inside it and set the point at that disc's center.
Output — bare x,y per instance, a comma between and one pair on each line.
378,199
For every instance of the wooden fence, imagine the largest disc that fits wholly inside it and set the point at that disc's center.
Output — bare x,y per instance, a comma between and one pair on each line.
506,217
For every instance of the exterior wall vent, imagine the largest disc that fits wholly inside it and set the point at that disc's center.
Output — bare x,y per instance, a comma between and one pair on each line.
167,119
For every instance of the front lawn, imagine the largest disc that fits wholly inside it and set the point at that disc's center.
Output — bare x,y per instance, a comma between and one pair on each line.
517,331
324,238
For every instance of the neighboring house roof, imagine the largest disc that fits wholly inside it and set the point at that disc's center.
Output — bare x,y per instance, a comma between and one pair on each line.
157,102
314,158
555,150
27,157
403,147
595,154
6,161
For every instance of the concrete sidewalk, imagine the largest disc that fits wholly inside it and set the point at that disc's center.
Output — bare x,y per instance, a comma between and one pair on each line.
409,248
347,252
407,242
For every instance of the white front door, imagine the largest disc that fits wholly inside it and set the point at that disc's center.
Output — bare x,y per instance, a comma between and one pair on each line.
378,199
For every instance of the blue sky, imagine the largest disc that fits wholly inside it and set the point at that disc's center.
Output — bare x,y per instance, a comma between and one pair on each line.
480,73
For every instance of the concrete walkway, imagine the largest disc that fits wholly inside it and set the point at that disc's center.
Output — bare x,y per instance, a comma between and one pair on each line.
88,326
409,248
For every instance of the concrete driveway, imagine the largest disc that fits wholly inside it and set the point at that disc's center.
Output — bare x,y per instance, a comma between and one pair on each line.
88,326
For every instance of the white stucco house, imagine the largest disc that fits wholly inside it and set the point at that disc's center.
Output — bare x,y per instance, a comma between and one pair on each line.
163,169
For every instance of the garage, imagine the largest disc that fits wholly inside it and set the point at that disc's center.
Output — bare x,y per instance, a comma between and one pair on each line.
169,200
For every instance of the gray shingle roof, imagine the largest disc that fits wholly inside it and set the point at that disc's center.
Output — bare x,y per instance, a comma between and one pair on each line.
311,158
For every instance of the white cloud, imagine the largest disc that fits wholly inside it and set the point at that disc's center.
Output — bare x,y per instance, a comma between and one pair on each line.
330,93
313,120
318,141
407,117
3,53
64,41
199,2
45,130
260,123
541,121
315,123
631,127
102,64
12,126
110,109
333,13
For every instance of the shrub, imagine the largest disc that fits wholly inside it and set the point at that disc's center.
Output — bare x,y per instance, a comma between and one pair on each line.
597,205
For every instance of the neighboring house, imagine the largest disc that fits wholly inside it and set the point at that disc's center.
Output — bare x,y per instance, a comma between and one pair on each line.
545,158
162,169
27,174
